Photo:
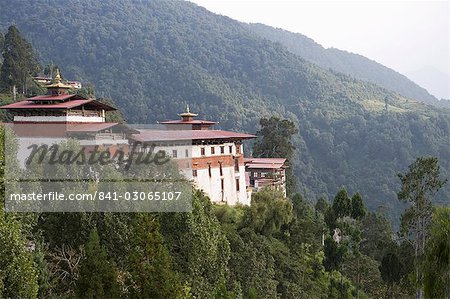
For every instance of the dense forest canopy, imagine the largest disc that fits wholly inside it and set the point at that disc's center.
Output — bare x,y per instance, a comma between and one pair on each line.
153,57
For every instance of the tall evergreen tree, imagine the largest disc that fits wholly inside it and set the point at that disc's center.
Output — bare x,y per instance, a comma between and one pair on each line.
342,205
419,185
98,277
436,266
199,247
150,262
358,208
275,142
19,61
322,205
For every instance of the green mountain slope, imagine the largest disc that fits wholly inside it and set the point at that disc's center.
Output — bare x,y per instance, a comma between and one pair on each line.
153,57
348,63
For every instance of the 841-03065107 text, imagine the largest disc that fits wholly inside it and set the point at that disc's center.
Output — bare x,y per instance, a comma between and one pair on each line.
136,195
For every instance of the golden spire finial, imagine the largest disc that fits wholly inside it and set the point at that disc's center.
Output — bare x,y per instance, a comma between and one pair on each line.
187,113
58,76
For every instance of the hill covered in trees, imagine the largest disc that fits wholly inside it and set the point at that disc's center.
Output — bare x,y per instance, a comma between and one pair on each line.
352,64
153,57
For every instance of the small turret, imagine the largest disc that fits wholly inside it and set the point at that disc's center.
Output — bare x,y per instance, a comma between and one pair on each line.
187,116
187,122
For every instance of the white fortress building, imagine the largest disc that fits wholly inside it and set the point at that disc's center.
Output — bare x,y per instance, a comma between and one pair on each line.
212,159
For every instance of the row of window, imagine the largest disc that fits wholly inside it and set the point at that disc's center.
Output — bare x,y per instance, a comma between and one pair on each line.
203,151
213,150
236,168
194,173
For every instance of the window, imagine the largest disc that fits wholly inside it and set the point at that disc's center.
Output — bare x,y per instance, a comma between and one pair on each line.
231,149
238,148
236,165
174,153
186,153
202,151
188,164
220,168
194,172
209,170
237,185
213,150
222,149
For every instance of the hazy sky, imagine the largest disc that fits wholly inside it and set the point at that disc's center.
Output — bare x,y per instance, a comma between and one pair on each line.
403,35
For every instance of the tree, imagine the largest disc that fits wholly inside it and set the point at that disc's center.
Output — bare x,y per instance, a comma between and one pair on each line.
18,277
98,277
342,205
275,142
113,116
391,270
150,262
376,234
2,41
269,211
50,70
334,254
436,266
252,265
322,205
358,208
198,246
419,185
19,61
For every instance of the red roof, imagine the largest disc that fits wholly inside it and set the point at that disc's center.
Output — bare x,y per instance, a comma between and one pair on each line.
265,166
178,135
61,97
26,104
265,160
264,163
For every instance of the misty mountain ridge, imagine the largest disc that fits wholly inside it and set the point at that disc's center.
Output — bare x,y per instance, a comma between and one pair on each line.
435,80
153,57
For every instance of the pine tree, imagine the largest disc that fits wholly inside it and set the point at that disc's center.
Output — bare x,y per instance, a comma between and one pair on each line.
342,205
358,208
275,142
98,277
19,61
150,262
322,205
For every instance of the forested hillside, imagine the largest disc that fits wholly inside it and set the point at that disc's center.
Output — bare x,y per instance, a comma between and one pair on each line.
355,65
153,57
